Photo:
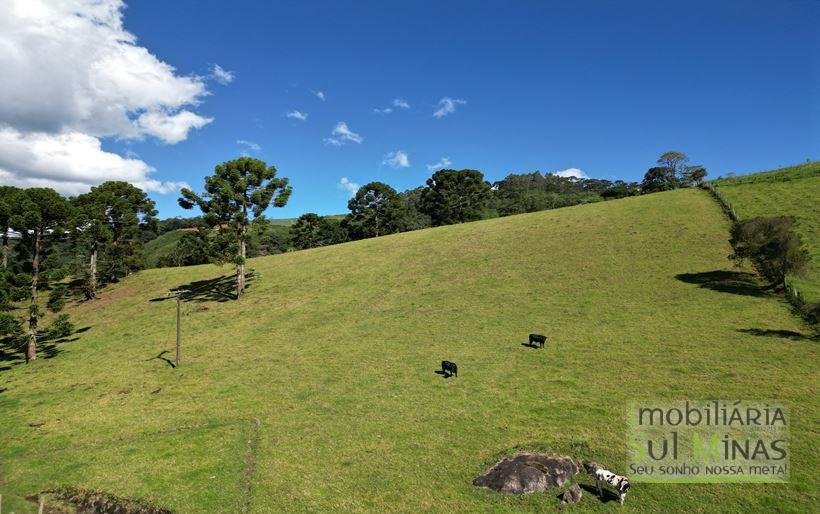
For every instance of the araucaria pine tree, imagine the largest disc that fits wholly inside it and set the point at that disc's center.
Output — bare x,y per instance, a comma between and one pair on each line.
238,192
40,212
108,221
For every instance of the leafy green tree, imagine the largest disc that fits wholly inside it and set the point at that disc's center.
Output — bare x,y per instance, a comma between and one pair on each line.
658,179
109,219
693,175
192,248
672,172
621,189
307,231
412,216
39,212
455,196
674,162
7,202
374,211
238,192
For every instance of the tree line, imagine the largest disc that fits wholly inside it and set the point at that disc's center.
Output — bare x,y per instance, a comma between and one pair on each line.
448,196
65,244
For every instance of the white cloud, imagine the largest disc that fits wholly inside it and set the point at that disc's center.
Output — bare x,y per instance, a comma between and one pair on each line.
298,115
348,187
320,95
69,162
221,75
162,188
445,162
249,144
397,103
571,172
71,74
342,134
70,65
170,128
447,106
397,159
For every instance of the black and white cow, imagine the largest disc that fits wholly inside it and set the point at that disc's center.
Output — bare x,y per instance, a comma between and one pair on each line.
601,475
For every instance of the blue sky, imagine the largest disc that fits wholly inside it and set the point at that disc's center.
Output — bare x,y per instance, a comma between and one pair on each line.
603,87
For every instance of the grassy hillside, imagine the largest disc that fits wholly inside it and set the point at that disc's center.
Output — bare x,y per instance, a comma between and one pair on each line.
793,191
317,391
162,245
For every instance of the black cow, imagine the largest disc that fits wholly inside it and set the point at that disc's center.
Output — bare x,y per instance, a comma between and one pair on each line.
537,338
449,368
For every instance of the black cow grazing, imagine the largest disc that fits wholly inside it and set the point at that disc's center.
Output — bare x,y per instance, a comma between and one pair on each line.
537,338
449,368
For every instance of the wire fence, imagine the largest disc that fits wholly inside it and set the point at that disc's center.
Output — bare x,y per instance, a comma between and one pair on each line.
793,295
724,203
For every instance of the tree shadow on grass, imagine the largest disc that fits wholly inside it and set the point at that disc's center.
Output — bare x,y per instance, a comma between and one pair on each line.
786,334
219,289
13,349
725,281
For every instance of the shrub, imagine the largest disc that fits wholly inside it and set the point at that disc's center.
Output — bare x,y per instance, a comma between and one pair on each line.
62,327
771,245
9,325
56,298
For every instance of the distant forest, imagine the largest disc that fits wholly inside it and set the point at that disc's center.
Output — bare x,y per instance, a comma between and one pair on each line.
449,196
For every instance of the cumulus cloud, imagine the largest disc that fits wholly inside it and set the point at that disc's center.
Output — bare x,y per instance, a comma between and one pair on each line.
221,75
342,134
348,187
71,75
386,110
397,159
297,115
320,95
171,128
445,162
571,172
249,144
70,162
447,106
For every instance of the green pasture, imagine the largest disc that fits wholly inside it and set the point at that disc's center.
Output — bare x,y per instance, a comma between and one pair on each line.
317,391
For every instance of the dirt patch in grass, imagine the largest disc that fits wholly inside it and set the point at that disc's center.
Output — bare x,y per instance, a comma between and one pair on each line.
250,464
87,501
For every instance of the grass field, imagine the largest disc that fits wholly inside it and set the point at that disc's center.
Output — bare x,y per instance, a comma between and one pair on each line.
317,391
160,246
793,191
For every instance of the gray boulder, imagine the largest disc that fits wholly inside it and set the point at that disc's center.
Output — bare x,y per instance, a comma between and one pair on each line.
528,473
572,495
